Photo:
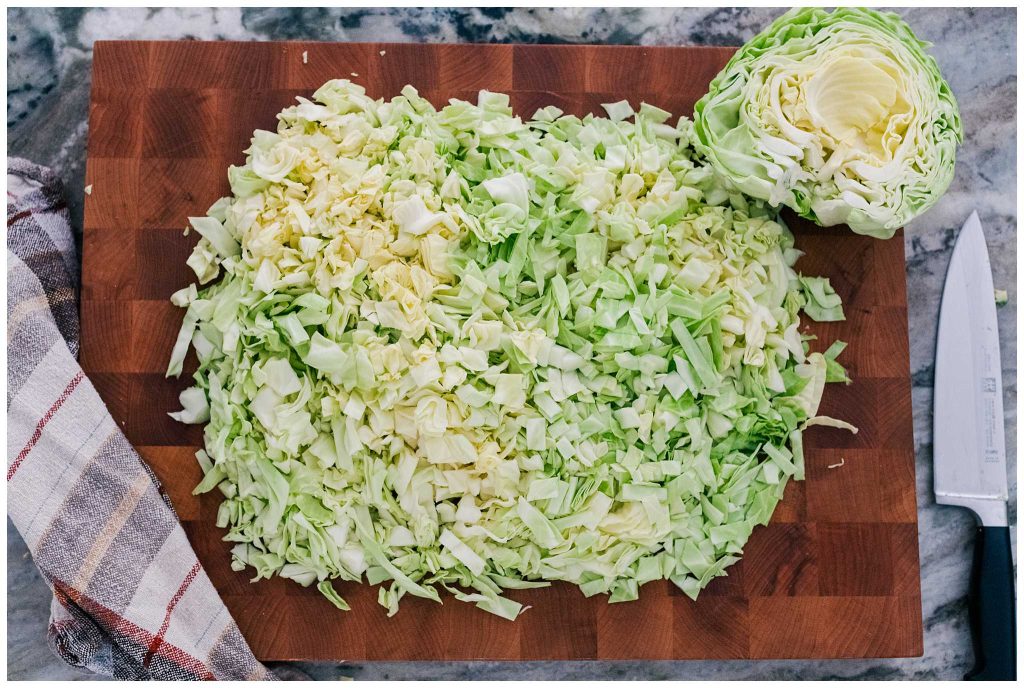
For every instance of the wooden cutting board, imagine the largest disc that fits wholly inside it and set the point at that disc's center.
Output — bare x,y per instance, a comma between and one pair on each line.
836,572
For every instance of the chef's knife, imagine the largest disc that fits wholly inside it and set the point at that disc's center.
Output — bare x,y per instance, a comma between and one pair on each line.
970,451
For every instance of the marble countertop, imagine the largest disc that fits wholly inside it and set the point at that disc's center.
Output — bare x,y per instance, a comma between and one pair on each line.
49,62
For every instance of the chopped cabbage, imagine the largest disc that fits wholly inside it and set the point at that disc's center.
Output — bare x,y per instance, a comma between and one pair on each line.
456,349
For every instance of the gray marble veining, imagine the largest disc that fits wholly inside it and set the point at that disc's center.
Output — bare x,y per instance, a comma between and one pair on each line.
49,61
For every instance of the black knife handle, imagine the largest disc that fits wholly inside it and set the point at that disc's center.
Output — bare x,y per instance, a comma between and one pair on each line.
991,604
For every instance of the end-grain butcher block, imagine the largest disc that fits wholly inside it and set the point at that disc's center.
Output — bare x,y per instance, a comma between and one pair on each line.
835,574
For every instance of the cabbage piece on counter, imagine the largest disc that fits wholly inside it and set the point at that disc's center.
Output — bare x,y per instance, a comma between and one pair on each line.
453,349
842,116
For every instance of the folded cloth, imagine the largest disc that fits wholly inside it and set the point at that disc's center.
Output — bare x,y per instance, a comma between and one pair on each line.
130,599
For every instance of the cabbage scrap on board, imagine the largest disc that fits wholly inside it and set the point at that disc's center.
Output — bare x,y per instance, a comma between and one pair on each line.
842,116
453,349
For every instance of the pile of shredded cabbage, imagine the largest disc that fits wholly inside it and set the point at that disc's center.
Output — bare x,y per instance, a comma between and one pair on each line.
456,349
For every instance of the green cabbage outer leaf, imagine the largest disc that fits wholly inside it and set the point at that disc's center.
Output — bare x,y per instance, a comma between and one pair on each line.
823,303
841,116
455,349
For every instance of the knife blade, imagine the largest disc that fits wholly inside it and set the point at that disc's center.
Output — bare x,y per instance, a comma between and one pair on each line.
969,445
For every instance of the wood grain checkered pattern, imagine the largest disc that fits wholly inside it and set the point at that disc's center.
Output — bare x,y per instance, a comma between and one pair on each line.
835,574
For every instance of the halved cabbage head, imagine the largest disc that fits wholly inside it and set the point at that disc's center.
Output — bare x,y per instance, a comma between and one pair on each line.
841,116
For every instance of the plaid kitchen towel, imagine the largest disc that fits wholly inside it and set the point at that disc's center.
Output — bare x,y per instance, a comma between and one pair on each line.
130,599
